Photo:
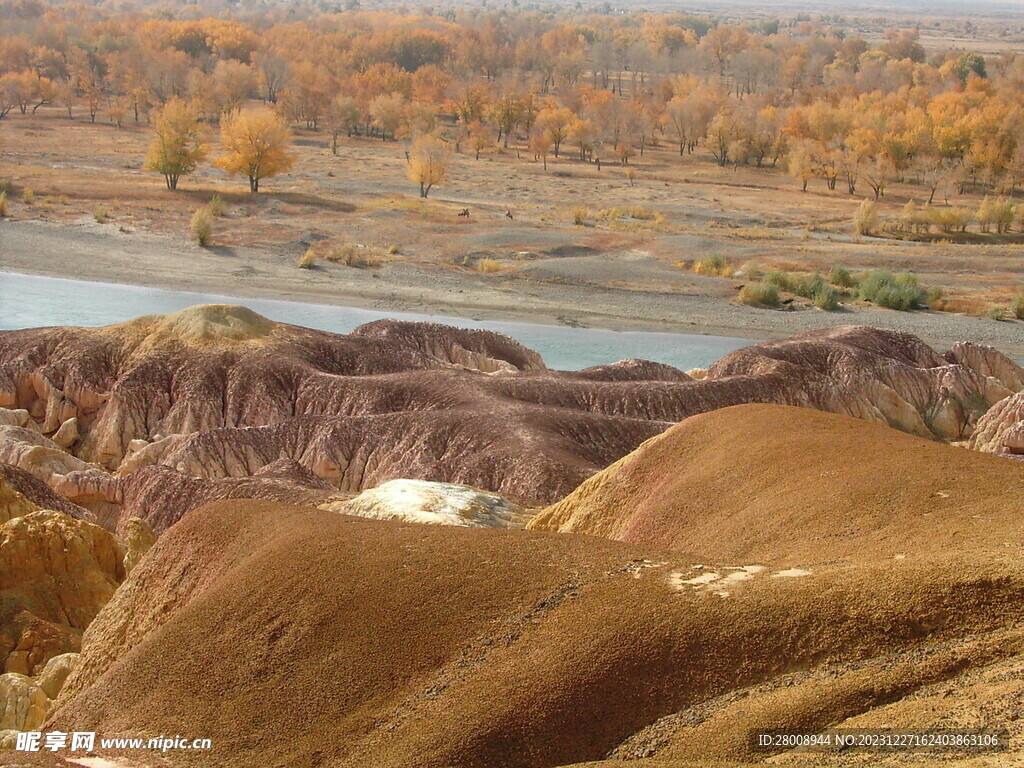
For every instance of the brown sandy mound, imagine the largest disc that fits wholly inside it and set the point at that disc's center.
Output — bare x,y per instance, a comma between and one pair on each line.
295,637
793,484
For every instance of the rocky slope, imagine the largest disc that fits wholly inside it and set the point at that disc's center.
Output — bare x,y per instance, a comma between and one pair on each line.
154,417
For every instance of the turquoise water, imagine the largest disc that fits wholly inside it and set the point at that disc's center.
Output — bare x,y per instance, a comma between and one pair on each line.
27,301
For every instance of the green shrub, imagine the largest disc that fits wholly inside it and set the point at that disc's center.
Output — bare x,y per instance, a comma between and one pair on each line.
779,279
826,297
895,291
808,286
1017,306
841,276
760,295
996,313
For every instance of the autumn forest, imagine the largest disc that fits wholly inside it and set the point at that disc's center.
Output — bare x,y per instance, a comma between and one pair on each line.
827,106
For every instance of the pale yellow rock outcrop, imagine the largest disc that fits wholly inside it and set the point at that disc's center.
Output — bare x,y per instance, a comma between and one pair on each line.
56,671
138,538
59,570
13,504
23,703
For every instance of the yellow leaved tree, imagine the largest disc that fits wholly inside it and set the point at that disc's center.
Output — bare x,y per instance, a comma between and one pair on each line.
429,159
255,143
177,145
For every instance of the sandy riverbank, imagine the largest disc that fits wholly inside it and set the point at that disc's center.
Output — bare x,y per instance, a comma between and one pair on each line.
626,292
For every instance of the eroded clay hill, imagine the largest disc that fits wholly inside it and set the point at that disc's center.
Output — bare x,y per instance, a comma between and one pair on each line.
383,644
739,482
161,414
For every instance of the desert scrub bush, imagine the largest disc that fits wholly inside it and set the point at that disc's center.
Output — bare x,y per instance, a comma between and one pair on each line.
713,266
781,280
895,291
100,213
487,266
841,276
217,207
808,285
866,218
934,296
28,196
202,227
308,259
580,216
1017,306
759,295
826,297
995,313
3,203
393,250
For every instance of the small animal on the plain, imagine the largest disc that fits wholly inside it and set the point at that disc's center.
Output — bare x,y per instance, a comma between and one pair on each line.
464,212
508,215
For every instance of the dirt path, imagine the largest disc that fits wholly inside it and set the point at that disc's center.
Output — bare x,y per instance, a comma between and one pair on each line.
627,291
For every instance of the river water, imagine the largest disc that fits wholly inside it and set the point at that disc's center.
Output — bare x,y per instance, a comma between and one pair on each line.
27,301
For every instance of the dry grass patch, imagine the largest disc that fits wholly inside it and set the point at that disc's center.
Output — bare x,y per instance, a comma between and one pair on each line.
356,255
201,225
713,266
